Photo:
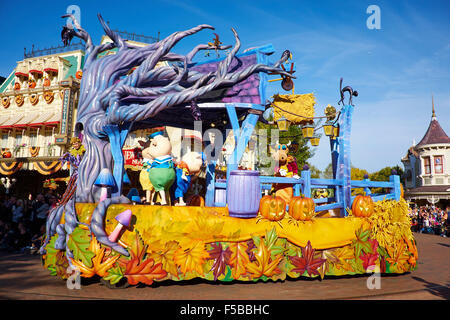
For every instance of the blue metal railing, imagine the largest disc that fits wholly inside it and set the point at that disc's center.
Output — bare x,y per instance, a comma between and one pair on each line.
305,185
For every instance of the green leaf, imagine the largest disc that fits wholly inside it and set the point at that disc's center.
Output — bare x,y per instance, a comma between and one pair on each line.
228,276
50,258
114,275
293,250
256,240
78,243
382,251
361,242
270,238
52,270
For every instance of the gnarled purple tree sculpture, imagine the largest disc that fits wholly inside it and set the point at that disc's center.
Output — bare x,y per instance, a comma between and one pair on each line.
110,101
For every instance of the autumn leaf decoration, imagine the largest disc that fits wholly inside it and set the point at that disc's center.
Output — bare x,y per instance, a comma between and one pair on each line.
79,243
100,266
221,259
140,268
369,259
307,262
55,260
264,266
361,243
191,258
397,257
240,258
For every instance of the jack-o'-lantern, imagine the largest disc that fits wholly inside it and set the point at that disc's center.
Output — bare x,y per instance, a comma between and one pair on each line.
17,86
362,206
6,154
272,208
79,74
47,82
302,208
31,84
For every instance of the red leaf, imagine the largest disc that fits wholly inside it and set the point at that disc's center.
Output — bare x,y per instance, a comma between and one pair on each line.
222,259
251,254
307,261
374,245
368,259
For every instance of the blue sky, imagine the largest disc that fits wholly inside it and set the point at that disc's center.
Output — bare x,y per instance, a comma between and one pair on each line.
395,69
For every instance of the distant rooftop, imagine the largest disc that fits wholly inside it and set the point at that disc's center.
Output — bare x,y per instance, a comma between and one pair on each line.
80,45
435,134
52,50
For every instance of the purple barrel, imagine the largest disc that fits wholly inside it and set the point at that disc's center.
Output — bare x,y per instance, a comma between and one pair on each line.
243,193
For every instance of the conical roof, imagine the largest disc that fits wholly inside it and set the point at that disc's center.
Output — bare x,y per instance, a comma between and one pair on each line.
435,134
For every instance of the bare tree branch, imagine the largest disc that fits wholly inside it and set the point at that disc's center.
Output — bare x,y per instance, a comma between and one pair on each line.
114,36
81,33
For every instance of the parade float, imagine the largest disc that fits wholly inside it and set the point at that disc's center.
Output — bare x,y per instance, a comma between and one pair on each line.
232,231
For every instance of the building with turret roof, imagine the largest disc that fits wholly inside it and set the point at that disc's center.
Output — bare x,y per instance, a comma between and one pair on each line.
427,166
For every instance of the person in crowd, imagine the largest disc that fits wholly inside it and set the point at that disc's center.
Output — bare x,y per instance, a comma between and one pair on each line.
40,211
17,211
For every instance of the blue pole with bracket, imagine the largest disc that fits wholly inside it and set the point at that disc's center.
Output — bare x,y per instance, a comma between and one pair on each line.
343,167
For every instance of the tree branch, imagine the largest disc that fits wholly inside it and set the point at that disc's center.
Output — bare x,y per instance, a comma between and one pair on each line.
114,36
81,33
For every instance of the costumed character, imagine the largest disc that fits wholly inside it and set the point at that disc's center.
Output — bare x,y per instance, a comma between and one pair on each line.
291,160
144,175
190,164
161,172
76,147
280,154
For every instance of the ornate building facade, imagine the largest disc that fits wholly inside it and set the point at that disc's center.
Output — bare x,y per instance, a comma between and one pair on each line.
427,167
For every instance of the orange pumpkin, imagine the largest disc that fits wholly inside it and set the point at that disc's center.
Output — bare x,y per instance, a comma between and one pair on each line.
31,84
6,154
196,201
302,208
272,208
362,206
79,74
17,86
47,82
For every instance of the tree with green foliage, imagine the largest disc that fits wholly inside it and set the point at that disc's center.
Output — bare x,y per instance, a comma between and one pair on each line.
294,134
383,175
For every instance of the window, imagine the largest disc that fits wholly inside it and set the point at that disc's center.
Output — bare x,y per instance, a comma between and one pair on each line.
427,165
4,140
18,139
33,138
438,167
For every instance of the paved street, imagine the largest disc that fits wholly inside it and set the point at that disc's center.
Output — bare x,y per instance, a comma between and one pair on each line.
23,277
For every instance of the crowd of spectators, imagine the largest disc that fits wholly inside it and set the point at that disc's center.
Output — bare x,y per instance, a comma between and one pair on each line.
22,221
430,219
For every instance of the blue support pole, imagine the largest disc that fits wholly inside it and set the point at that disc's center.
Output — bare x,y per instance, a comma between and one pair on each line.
306,176
395,179
343,164
367,189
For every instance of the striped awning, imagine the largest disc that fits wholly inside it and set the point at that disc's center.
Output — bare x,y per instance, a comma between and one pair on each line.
12,121
3,119
29,118
47,118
